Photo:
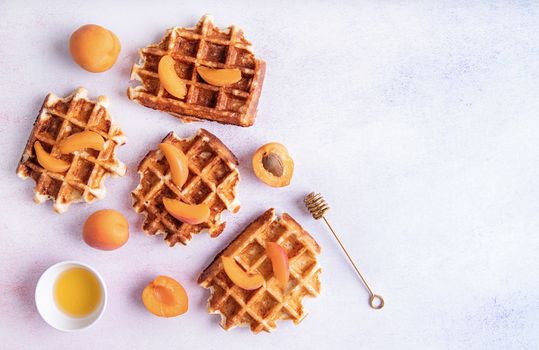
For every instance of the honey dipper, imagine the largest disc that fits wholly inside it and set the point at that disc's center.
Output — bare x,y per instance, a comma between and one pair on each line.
316,204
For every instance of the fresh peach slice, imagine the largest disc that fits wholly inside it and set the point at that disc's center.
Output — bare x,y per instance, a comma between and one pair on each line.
169,79
165,297
177,161
49,162
80,141
241,278
279,261
219,77
192,214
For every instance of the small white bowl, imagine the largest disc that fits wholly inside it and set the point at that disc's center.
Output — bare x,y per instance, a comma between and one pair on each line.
46,305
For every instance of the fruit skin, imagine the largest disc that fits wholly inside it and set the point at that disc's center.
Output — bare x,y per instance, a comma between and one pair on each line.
272,151
94,48
178,163
169,78
192,214
165,297
106,229
49,162
80,141
279,261
219,77
241,278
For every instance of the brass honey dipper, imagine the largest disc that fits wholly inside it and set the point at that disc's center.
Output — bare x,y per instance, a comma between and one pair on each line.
316,204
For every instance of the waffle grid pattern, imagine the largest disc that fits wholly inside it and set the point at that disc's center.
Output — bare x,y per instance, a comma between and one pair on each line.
261,308
58,119
208,46
213,178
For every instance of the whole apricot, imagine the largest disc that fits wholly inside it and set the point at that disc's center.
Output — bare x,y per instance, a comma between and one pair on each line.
94,48
106,229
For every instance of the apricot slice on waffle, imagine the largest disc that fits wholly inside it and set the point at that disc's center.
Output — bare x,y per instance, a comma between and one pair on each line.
192,214
49,162
169,79
279,262
82,140
241,278
219,77
178,163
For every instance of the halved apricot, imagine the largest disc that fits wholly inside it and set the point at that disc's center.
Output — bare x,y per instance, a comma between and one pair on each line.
241,278
80,141
273,165
177,161
169,79
192,214
219,77
279,262
49,162
165,297
94,48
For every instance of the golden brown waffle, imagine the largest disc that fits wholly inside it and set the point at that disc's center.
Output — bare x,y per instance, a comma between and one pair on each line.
59,118
203,45
213,178
261,308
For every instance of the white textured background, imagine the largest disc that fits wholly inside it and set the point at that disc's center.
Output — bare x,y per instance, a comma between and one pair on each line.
418,120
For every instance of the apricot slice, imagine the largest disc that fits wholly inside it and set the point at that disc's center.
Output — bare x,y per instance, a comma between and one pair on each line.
49,162
192,214
165,297
177,161
273,165
169,79
279,262
219,77
241,278
106,229
94,48
80,141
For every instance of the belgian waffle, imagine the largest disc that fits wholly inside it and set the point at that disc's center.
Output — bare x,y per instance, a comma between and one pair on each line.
208,46
261,308
84,180
213,178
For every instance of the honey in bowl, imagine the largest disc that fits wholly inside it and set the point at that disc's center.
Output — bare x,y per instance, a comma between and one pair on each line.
77,292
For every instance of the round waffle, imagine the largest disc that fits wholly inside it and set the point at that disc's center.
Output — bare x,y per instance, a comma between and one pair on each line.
213,179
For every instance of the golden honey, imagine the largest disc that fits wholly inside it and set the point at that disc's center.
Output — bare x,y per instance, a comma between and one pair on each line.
77,292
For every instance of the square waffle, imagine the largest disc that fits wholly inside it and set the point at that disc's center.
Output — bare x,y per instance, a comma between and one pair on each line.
213,178
84,180
208,46
261,308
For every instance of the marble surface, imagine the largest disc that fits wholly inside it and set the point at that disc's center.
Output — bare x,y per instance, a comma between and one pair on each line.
417,120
